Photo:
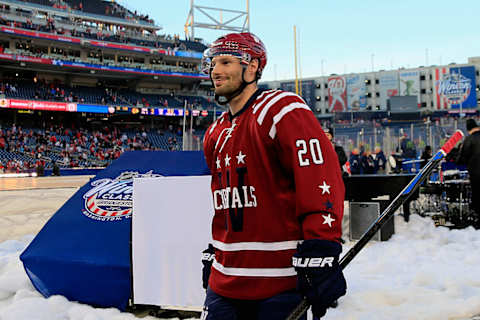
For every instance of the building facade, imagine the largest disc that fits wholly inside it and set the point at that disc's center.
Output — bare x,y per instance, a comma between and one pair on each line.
449,88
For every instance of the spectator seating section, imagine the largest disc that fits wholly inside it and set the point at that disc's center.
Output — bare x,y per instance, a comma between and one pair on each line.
99,95
24,147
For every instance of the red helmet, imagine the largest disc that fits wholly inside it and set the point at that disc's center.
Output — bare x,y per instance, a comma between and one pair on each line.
245,46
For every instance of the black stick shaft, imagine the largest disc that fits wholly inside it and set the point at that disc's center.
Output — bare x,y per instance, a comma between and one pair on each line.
388,213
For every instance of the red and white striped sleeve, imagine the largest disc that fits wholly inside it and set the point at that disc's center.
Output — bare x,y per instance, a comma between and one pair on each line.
307,154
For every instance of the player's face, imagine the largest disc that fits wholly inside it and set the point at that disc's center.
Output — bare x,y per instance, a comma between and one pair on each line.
226,75
329,136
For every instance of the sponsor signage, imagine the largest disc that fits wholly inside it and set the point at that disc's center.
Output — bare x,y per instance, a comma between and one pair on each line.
90,66
119,46
42,35
38,105
437,76
94,108
337,94
410,84
307,90
102,44
456,88
388,87
356,92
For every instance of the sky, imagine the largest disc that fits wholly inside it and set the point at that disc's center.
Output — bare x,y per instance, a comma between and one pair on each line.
422,272
345,36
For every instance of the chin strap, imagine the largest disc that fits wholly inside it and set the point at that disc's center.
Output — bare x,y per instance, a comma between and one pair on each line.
239,90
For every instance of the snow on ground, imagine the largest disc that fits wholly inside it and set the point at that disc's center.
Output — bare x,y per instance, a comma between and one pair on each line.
422,272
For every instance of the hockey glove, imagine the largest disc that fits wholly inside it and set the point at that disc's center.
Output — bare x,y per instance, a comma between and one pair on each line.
320,278
207,260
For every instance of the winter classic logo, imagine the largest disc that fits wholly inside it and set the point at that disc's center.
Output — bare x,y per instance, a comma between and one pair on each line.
455,88
111,199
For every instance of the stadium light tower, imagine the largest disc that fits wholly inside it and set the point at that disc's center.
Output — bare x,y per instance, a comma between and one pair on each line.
234,22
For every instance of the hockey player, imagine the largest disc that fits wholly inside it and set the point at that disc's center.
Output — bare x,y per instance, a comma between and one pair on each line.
277,192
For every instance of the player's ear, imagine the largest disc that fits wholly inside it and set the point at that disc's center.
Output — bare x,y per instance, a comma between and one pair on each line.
252,70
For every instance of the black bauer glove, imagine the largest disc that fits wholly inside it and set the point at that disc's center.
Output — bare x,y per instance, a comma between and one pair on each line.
320,278
207,260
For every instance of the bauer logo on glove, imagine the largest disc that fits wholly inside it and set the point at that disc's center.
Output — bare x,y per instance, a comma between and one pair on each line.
312,262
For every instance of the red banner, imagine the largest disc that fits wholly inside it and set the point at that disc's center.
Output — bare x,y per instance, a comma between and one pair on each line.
118,46
17,57
39,35
337,94
39,105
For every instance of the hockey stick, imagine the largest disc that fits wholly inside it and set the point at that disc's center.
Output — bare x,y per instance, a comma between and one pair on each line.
388,212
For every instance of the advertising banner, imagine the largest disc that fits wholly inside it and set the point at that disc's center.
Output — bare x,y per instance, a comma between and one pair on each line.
437,75
94,108
83,65
337,94
40,105
307,90
42,35
356,92
388,87
457,88
118,46
410,84
95,43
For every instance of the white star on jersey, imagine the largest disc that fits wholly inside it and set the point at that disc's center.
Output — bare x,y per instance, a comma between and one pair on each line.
227,160
240,157
218,163
328,220
325,188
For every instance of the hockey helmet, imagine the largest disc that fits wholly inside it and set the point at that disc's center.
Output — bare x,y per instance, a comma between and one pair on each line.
245,46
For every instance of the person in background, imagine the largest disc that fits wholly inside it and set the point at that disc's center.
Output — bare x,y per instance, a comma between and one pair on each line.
355,167
469,155
55,169
426,156
407,147
380,160
367,162
342,157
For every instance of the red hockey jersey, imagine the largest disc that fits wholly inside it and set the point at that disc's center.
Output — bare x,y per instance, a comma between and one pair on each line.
276,180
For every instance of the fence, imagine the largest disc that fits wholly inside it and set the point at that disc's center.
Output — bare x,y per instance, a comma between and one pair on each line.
394,138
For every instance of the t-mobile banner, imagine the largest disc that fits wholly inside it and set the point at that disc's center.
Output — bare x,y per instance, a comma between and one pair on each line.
457,88
388,87
356,92
410,84
337,94
438,79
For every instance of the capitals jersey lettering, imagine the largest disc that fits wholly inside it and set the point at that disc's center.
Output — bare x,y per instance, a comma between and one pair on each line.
276,180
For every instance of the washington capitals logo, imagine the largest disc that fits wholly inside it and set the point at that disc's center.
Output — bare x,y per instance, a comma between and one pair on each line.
111,199
455,88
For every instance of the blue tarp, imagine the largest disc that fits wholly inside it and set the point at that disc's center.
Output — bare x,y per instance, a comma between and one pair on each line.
74,172
83,251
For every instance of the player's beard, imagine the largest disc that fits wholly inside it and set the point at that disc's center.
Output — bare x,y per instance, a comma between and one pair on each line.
229,85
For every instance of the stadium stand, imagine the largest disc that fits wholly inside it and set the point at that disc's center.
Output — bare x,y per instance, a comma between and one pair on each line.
22,149
94,53
49,21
